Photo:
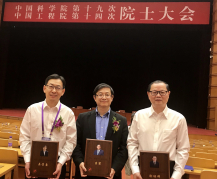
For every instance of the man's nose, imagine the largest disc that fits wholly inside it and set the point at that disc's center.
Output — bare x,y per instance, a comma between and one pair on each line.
54,90
158,94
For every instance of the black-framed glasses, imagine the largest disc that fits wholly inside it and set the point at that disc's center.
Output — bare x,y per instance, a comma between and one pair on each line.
101,95
57,88
162,93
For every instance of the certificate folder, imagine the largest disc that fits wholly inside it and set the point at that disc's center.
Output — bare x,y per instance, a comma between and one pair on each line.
154,164
98,157
43,161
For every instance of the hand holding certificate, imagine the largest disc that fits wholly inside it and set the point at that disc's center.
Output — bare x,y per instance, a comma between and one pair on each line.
43,162
98,158
154,164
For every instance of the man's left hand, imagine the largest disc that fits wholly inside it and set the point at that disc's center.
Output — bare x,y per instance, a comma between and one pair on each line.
171,178
58,171
111,174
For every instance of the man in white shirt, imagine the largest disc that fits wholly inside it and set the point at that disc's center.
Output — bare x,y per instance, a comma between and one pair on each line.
159,128
36,127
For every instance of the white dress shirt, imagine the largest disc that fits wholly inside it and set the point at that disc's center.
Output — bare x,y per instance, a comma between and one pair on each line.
166,131
31,129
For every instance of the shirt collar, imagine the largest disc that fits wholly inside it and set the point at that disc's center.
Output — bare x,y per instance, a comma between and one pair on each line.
165,111
57,106
106,114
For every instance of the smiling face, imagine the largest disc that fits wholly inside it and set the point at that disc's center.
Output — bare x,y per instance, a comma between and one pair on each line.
53,95
103,97
158,100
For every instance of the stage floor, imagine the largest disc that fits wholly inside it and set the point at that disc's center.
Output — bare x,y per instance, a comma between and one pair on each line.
21,112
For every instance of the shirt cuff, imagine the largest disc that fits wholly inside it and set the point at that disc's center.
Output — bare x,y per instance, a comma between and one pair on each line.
135,169
26,158
176,175
62,159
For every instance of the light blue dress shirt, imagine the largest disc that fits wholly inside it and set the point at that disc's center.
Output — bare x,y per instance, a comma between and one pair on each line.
101,125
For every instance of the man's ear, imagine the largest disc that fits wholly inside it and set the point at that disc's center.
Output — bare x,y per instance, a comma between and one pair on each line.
63,91
44,87
148,95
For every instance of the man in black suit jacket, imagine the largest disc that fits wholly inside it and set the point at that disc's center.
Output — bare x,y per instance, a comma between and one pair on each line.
154,163
44,152
87,127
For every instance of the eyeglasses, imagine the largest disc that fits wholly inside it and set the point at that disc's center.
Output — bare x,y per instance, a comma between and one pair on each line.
57,88
101,95
162,93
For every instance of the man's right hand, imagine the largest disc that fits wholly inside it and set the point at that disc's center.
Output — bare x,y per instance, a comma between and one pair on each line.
27,166
137,176
82,169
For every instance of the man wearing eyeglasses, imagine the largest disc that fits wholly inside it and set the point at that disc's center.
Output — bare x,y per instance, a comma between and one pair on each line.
98,124
39,124
159,128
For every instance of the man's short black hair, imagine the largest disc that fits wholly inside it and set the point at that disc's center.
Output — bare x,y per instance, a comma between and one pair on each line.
100,86
56,76
158,81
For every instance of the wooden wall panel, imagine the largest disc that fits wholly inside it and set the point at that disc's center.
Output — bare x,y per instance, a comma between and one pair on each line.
212,101
213,79
214,47
212,95
214,17
215,28
211,113
213,91
211,125
214,59
213,69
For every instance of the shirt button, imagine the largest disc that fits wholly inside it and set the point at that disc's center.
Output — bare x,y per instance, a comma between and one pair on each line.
101,127
101,136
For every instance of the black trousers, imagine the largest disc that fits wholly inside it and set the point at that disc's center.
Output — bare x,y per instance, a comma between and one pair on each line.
62,175
172,163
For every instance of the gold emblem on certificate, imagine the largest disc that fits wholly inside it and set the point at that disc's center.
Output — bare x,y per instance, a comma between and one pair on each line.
98,157
154,164
43,160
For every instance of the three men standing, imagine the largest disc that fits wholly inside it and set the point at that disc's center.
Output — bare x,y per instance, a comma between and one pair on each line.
156,128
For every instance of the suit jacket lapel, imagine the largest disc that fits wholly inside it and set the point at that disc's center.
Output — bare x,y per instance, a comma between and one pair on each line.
110,125
92,124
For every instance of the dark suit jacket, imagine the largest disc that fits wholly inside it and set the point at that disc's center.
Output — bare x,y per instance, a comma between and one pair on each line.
101,152
154,166
86,128
42,153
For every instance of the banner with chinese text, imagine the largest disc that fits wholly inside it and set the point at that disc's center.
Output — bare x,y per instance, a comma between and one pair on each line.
109,12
